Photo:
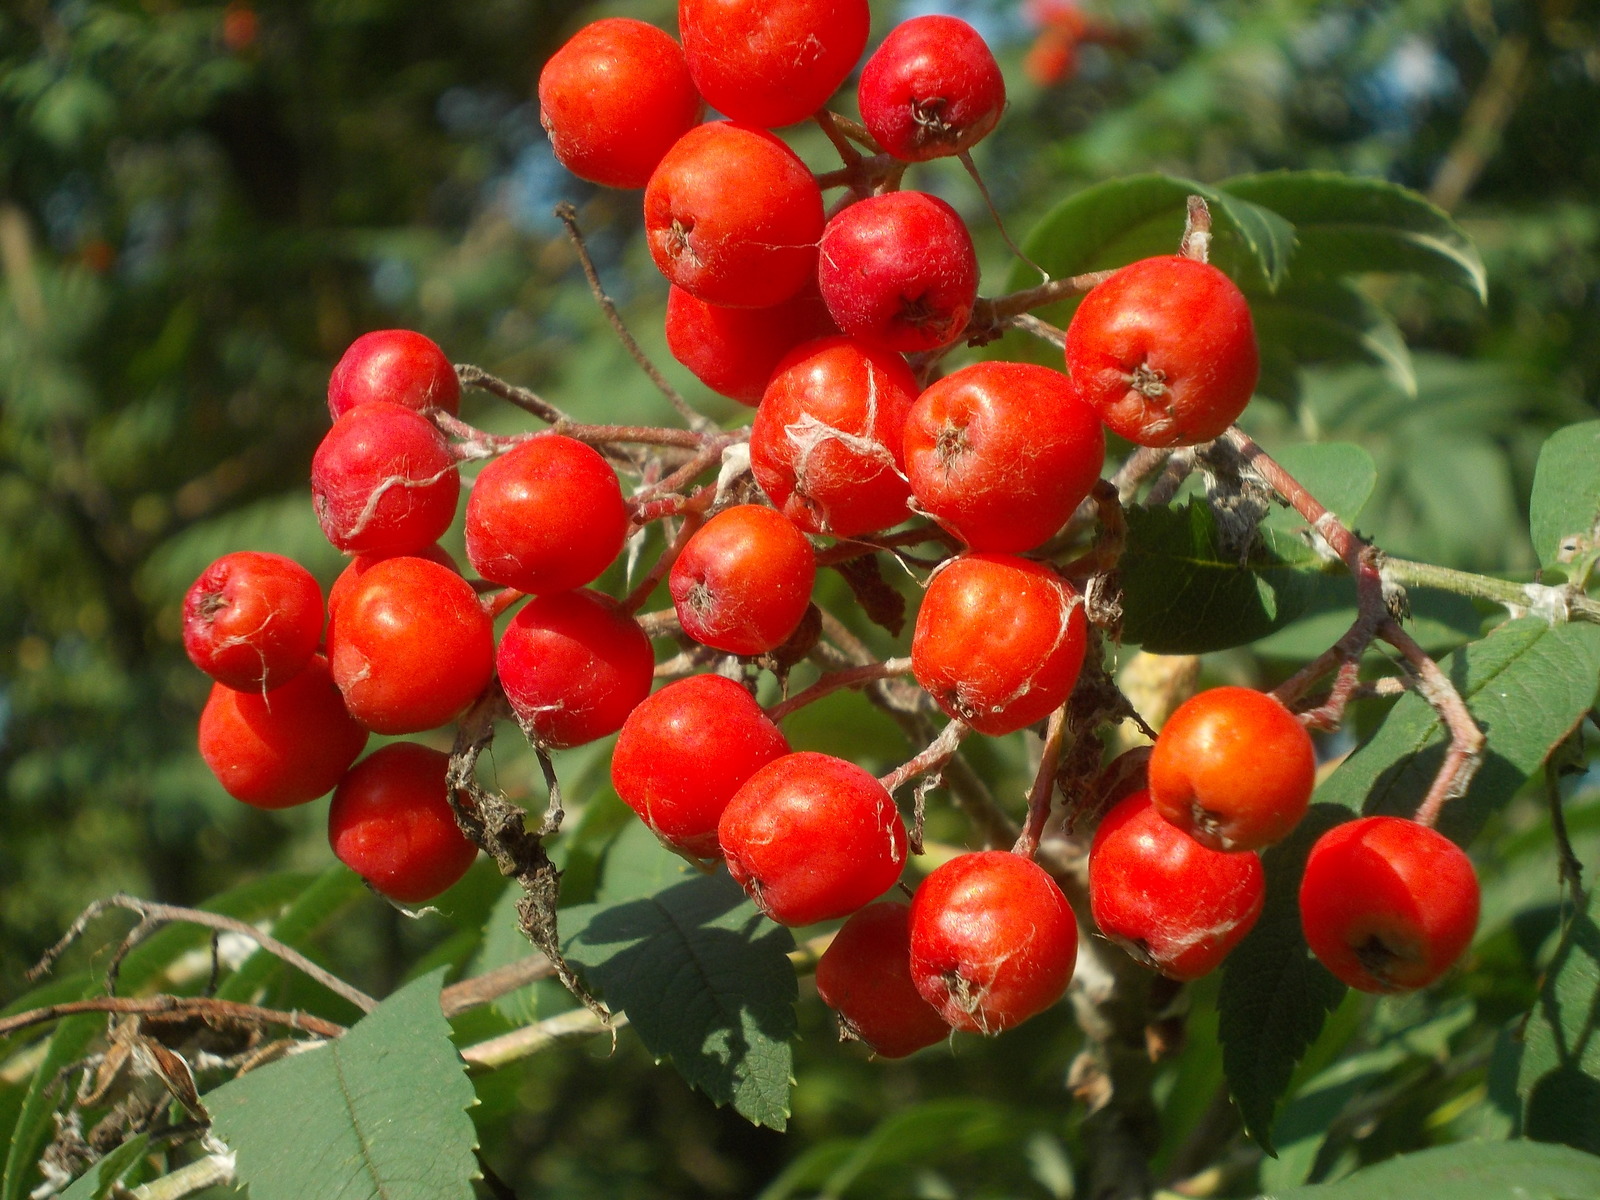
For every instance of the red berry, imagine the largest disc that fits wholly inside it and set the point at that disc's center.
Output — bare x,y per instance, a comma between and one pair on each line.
546,516
391,823
771,62
743,581
993,941
685,751
252,621
1173,904
826,445
865,977
613,100
733,351
899,270
999,641
1388,905
732,216
1165,352
811,837
574,665
384,481
283,748
411,646
362,563
397,366
933,88
1001,453
1233,769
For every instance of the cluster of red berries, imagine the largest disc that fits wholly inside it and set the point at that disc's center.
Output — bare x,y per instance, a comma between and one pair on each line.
811,320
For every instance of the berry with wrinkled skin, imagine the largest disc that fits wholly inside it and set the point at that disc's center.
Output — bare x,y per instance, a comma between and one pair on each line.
1233,769
1002,453
1173,904
252,621
1388,905
391,823
899,270
931,89
865,977
1165,351
993,941
811,837
683,753
999,641
614,99
384,481
397,366
743,581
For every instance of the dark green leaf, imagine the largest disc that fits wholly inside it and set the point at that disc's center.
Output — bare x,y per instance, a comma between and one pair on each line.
1266,235
97,1181
1186,592
1108,225
1566,494
380,1112
1559,1080
1346,225
1469,1171
705,981
1319,321
1274,996
1527,684
1340,475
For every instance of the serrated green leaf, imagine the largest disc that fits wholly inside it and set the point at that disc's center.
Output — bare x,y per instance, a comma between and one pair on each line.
378,1113
68,1044
1565,506
1320,321
97,1181
1274,995
637,864
1269,238
1527,684
1468,1171
1346,224
705,980
1108,225
1559,1079
1185,592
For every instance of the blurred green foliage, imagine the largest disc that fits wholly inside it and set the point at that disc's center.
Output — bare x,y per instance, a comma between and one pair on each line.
200,206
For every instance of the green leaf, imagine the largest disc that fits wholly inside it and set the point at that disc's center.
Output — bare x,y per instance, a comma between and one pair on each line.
1565,507
1559,1080
68,1044
1274,995
97,1182
705,981
1185,592
317,904
1269,238
1340,475
1346,225
379,1112
1320,321
1527,684
1468,1171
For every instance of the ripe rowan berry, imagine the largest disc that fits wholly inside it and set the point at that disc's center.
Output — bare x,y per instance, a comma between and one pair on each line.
993,941
410,645
614,99
391,823
546,516
931,89
1001,453
252,621
811,837
999,641
362,563
685,751
384,481
826,444
1388,905
286,747
732,216
771,62
398,366
1233,769
743,581
865,977
1165,351
1173,904
574,665
899,270
733,351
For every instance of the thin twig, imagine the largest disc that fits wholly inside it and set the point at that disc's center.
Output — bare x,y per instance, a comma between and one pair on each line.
635,599
1044,785
491,985
152,914
932,758
1462,759
530,402
835,680
206,1007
